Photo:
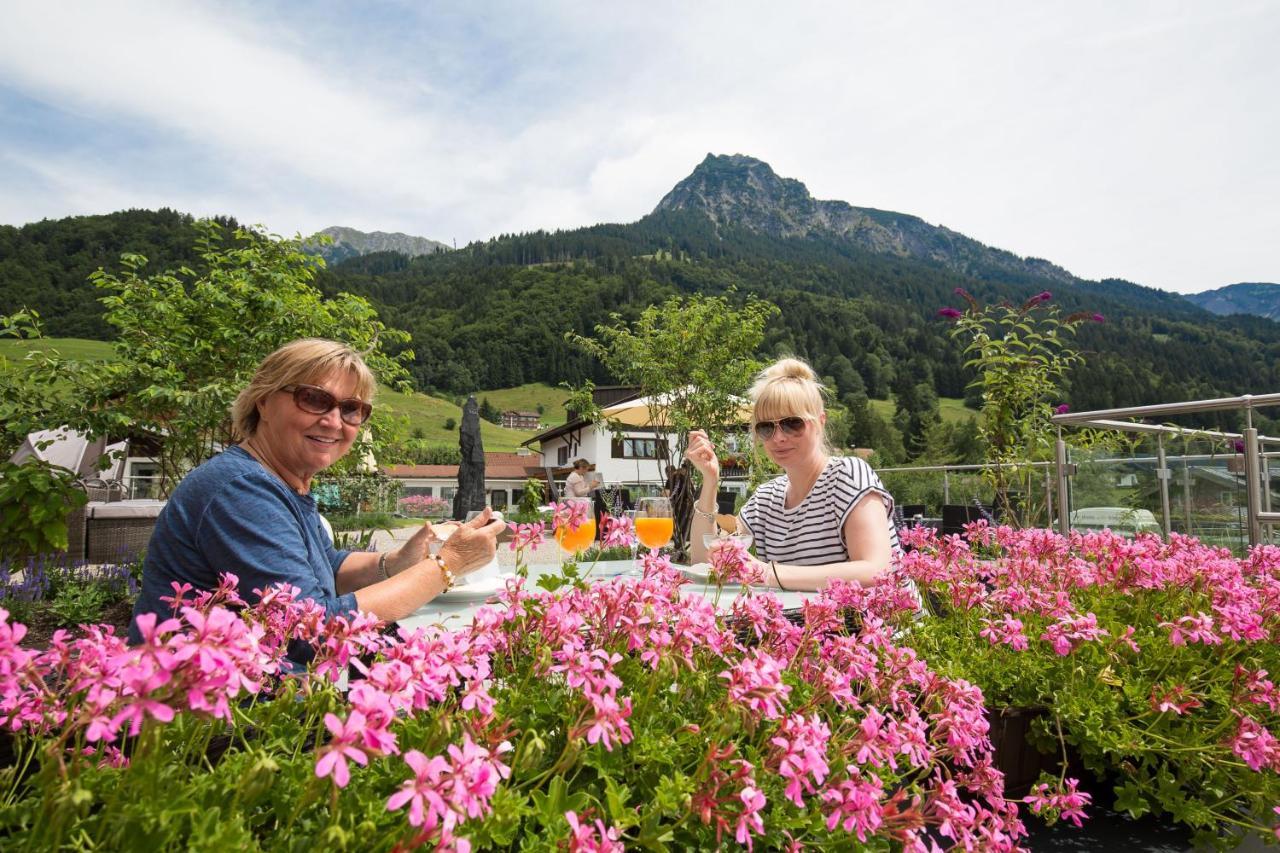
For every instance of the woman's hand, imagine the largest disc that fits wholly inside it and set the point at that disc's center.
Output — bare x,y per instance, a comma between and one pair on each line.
416,549
472,544
702,453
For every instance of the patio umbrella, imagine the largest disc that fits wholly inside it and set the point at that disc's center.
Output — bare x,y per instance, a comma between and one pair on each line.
636,413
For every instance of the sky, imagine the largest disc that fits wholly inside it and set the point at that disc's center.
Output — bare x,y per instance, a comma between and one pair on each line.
1117,139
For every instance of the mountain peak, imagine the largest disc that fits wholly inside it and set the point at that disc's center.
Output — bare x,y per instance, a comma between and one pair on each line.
1247,297
350,243
737,190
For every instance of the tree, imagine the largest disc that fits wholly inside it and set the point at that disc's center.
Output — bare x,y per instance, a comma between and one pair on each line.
692,359
1022,356
489,412
31,398
188,340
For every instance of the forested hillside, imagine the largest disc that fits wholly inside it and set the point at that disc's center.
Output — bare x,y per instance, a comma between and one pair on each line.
495,314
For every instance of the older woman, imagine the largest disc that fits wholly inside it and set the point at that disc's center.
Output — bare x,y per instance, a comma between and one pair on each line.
826,517
249,510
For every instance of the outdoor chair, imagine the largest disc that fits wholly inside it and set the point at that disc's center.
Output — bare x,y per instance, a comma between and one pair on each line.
119,530
105,491
956,516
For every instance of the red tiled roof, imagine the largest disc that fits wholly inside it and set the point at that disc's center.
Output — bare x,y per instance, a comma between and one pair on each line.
497,466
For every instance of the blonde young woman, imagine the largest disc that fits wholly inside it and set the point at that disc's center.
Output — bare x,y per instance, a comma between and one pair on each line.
826,517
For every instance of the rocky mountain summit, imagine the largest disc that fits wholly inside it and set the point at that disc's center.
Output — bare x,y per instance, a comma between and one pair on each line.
737,190
349,243
1256,297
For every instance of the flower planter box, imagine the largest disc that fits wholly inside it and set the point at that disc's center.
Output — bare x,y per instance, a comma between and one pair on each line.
1012,751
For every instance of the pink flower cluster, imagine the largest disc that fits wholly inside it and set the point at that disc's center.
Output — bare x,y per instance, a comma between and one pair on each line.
202,662
526,536
840,721
570,515
731,562
1067,803
1197,611
619,531
447,790
592,837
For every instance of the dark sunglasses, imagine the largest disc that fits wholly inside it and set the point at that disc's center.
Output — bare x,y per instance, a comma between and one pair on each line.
317,401
791,427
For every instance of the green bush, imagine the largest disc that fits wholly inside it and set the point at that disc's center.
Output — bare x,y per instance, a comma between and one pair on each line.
35,500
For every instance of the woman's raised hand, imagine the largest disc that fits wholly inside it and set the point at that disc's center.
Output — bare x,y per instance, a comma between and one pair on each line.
472,544
416,549
702,453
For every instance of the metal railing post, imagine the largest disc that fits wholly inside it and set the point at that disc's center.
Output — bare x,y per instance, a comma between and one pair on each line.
1186,493
1048,499
1266,496
1251,495
1060,456
946,487
1162,473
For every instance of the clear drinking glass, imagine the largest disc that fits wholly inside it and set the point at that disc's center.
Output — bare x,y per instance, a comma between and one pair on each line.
576,541
654,522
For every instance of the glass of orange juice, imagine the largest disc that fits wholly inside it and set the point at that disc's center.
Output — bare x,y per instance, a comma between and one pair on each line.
579,539
654,522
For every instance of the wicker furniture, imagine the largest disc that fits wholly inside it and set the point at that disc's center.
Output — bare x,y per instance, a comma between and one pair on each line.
118,531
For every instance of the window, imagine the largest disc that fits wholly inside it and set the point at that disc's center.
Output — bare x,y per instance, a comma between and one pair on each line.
562,454
143,479
498,499
639,448
417,490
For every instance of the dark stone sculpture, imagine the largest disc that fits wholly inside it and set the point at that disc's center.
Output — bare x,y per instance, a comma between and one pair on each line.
470,495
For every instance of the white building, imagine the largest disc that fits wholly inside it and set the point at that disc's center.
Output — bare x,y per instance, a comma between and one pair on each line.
635,455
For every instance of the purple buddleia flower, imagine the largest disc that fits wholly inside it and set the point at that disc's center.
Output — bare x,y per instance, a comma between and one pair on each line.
949,313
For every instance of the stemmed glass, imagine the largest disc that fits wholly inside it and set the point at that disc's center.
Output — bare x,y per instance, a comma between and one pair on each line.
579,540
654,524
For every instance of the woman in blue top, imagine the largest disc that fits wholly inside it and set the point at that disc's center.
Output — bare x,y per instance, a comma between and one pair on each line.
249,510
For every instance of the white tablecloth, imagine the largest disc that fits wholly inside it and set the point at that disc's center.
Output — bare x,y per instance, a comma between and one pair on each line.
456,614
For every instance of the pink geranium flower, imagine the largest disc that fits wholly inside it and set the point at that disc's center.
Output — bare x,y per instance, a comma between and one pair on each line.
619,531
343,745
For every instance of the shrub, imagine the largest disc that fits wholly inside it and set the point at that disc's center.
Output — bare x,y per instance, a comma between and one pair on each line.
1152,659
616,714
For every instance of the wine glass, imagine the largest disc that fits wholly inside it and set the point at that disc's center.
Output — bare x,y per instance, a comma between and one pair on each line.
654,522
578,540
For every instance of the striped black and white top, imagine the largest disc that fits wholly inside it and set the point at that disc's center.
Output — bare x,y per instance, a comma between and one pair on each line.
811,533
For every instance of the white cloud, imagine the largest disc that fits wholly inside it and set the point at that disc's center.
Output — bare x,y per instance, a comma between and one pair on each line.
1114,139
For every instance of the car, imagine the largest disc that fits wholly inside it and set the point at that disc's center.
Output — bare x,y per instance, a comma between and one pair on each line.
1120,519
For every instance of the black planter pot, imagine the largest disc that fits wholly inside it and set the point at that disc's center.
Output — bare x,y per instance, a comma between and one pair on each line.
1012,751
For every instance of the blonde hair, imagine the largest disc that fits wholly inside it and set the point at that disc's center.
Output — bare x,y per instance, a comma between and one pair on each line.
302,362
787,388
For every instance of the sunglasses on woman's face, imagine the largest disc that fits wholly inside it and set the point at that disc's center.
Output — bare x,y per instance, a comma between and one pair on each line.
317,401
791,427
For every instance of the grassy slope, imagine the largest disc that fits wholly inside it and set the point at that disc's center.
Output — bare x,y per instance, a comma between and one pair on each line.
952,409
77,348
429,415
525,398
426,413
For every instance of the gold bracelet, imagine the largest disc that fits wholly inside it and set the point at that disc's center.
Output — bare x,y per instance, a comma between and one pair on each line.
773,564
709,516
445,573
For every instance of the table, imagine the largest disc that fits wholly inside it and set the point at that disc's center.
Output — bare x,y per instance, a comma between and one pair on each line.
458,614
